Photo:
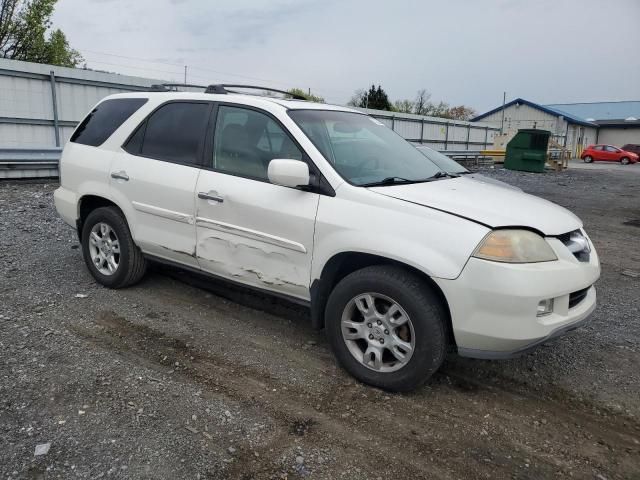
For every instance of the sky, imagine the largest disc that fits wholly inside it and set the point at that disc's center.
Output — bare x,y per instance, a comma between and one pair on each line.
461,51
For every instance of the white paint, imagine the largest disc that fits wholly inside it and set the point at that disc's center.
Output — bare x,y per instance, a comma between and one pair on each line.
262,234
280,238
159,201
490,204
252,234
288,173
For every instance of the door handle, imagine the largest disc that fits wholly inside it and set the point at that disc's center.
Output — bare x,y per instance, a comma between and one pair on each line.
208,196
121,175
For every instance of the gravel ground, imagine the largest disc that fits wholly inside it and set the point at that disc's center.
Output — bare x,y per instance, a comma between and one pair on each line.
184,378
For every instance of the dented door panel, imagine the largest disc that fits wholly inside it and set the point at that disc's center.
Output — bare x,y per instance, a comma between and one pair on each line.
255,232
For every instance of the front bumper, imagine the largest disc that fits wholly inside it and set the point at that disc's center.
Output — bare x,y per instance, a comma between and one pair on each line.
493,305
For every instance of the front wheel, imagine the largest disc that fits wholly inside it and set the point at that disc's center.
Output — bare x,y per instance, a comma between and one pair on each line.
386,327
111,256
624,161
588,159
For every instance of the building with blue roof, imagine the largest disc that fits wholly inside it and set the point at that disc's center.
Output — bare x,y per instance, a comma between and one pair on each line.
572,125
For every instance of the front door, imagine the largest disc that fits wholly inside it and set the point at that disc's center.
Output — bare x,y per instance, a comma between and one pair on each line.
611,154
154,179
248,229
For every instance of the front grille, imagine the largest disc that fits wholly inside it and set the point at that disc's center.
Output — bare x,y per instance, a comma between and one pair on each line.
577,244
576,297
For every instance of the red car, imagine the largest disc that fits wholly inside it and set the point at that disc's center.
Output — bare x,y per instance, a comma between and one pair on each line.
608,153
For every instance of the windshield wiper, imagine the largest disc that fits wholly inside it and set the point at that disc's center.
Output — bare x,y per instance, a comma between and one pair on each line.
442,174
390,181
405,181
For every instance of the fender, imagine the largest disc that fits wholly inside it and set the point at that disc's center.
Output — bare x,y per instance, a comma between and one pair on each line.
433,242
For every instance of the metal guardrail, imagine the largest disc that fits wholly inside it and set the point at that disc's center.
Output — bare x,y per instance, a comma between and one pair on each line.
29,162
43,162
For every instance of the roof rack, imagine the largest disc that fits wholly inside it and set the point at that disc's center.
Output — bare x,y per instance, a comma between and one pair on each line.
172,87
220,89
224,88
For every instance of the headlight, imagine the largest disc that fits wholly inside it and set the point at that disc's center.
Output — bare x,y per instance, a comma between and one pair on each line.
514,246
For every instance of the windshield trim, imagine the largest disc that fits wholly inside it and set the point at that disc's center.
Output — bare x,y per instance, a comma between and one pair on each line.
289,110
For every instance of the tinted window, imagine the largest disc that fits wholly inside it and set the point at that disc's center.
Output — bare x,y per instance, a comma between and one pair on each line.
598,147
175,132
610,149
105,119
134,144
247,140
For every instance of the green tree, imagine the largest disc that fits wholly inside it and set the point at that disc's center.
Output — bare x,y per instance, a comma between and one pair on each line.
374,98
23,34
308,95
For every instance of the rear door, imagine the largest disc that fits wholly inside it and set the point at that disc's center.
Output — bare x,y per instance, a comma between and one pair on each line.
248,229
155,176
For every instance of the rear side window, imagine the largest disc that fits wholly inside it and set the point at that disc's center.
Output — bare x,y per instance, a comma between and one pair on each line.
105,119
175,133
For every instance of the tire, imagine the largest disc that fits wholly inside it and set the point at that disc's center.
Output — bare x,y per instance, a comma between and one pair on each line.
624,160
426,327
131,264
588,159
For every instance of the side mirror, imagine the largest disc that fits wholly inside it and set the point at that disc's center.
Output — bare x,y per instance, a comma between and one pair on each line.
288,173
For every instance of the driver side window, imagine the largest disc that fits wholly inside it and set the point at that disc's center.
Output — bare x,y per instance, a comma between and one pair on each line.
245,141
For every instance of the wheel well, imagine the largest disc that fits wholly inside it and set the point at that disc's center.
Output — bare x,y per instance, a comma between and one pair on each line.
342,264
88,204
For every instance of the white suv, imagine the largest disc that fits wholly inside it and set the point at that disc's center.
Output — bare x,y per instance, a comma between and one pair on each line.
326,206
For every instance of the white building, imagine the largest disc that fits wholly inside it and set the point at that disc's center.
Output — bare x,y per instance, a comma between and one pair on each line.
572,125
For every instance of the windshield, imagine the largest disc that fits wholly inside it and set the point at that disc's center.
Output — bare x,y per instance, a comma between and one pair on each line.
362,150
445,163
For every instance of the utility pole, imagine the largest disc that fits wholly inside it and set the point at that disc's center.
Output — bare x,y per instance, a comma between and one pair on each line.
504,100
185,74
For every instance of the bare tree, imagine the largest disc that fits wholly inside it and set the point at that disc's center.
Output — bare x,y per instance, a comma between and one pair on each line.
422,104
358,98
403,106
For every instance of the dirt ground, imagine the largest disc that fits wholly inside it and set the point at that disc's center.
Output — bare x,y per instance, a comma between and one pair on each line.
180,377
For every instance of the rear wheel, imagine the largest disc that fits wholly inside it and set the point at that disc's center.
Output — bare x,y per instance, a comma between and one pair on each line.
588,159
109,252
386,327
624,160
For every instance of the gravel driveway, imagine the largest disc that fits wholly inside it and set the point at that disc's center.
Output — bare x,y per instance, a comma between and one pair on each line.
180,377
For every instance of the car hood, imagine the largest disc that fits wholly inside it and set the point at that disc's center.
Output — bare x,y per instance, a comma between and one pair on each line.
491,205
481,178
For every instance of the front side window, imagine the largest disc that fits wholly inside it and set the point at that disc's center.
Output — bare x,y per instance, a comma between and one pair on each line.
363,150
245,141
175,132
611,149
105,119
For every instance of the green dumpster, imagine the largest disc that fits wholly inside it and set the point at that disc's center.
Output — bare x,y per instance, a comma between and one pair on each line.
527,151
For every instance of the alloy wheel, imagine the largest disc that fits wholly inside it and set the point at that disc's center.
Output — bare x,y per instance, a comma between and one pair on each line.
104,248
378,332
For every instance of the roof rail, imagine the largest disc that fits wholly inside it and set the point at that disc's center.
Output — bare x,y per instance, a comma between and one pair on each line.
224,88
172,87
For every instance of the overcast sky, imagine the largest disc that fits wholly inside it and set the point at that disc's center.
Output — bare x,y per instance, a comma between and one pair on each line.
463,52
